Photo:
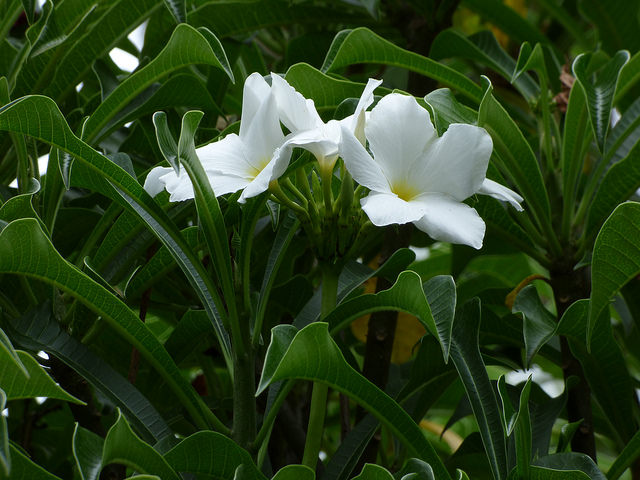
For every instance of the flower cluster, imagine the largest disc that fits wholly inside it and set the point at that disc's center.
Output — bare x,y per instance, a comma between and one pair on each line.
394,151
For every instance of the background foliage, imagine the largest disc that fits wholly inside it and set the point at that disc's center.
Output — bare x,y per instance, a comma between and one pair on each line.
115,306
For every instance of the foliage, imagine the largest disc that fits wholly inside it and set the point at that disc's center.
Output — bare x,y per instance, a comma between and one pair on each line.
248,329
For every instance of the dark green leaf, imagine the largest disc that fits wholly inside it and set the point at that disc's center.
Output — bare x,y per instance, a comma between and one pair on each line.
570,462
626,458
599,91
178,9
5,452
211,453
361,45
373,472
295,472
616,22
23,468
539,323
616,258
87,452
313,355
122,446
466,357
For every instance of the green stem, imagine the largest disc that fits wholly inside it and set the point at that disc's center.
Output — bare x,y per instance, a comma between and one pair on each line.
292,188
313,443
244,390
276,190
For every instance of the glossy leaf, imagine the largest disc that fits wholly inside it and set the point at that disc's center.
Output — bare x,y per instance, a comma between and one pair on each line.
29,252
517,159
373,472
599,92
405,295
626,458
483,47
38,383
8,354
604,366
39,330
295,472
346,457
618,184
616,259
186,46
122,446
211,453
87,452
616,28
361,45
313,355
466,357
539,324
178,9
572,463
40,118
23,468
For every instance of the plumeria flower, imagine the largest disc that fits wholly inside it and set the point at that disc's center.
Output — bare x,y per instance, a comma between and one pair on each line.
249,161
416,176
307,129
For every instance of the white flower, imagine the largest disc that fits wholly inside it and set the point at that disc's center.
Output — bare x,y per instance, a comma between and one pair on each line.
308,130
416,176
248,161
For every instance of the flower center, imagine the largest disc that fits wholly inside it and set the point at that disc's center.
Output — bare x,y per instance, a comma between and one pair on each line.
404,191
258,166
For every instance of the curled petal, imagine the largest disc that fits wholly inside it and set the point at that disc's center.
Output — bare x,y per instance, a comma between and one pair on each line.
263,134
152,184
360,165
272,171
255,92
456,163
179,186
322,141
500,192
387,209
448,220
296,112
357,120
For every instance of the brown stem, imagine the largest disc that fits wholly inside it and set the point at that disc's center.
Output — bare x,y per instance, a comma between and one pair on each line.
568,286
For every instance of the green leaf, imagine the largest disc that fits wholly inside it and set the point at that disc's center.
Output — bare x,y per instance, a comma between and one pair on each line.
629,76
37,384
178,9
616,22
523,432
572,463
406,295
122,446
210,453
618,184
516,158
40,118
625,134
507,20
576,138
446,110
361,45
616,259
186,46
371,471
39,330
21,205
28,251
539,323
29,9
627,456
87,452
567,20
8,354
5,452
102,30
326,92
313,355
23,468
465,353
604,367
347,456
295,472
599,91
484,48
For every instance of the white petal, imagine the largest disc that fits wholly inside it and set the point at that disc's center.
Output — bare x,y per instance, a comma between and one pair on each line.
255,92
322,141
296,112
152,184
358,118
179,186
360,165
387,209
226,156
456,163
448,220
500,192
263,135
223,184
398,131
272,171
